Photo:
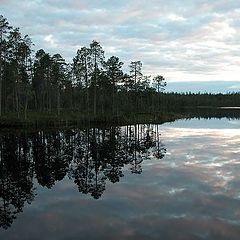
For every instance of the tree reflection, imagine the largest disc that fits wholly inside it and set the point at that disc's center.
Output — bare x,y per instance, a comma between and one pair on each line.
16,176
90,157
51,155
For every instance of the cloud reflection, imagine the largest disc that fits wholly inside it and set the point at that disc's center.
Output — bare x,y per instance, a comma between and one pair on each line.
191,193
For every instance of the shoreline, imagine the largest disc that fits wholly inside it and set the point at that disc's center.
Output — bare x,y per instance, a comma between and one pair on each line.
70,119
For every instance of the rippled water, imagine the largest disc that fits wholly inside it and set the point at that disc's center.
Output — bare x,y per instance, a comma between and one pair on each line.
173,181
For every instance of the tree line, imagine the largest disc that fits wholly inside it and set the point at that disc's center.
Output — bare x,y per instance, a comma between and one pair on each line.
47,83
90,84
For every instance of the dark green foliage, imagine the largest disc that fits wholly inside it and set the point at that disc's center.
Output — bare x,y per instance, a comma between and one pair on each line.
90,86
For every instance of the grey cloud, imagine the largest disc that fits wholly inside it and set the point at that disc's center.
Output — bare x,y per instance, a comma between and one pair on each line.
183,36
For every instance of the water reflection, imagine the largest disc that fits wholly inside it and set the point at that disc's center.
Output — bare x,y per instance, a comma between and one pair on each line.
88,157
191,193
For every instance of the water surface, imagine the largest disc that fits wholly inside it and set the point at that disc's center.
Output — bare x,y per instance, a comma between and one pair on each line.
173,181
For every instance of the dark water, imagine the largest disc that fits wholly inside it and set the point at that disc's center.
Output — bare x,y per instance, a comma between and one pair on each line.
171,181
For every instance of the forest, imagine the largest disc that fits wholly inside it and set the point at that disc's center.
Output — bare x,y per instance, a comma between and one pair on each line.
36,84
90,158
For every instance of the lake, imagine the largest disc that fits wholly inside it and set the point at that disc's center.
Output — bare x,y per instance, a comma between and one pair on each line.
178,180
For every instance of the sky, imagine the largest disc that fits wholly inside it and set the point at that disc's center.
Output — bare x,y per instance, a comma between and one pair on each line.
183,40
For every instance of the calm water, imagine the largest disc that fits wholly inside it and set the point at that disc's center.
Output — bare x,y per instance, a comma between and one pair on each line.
178,180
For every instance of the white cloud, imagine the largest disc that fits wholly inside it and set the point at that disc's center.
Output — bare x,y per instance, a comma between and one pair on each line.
235,87
181,39
173,17
49,39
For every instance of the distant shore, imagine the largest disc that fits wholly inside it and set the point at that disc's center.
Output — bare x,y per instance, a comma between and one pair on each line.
78,119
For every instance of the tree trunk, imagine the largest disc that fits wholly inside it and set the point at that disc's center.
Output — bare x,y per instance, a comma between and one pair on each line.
113,98
15,93
1,38
26,104
0,85
95,88
58,102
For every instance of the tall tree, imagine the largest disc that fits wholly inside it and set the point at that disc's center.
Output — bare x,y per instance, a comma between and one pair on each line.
82,69
115,74
58,76
160,84
97,56
25,70
4,28
135,78
41,80
68,87
15,58
136,72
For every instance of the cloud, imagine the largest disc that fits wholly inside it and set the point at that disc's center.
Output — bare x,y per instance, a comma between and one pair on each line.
192,193
174,17
179,39
234,87
49,39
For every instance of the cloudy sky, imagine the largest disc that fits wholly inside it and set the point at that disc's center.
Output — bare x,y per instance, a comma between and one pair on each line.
184,40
